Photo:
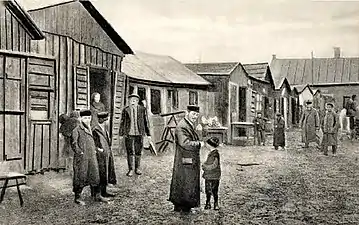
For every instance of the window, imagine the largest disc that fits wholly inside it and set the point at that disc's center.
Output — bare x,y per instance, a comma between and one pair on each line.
173,98
142,93
155,101
132,88
345,100
39,105
259,102
193,97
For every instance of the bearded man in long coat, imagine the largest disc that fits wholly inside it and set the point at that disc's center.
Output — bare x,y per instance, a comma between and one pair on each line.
185,184
104,154
279,132
330,127
86,170
310,124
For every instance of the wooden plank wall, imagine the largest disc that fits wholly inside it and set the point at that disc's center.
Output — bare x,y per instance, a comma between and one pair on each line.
70,53
13,36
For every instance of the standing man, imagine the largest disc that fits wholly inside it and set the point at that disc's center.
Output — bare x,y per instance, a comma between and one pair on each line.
351,109
259,129
86,171
185,184
279,132
104,154
310,124
134,125
330,127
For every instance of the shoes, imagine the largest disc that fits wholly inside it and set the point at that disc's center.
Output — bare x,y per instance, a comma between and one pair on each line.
138,171
108,195
78,201
208,206
216,207
129,173
100,198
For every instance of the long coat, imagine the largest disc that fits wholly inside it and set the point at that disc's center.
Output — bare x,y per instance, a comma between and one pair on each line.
86,170
185,185
310,124
142,121
330,126
105,159
279,132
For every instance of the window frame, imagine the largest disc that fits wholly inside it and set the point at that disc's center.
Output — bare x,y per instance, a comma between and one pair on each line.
195,93
159,111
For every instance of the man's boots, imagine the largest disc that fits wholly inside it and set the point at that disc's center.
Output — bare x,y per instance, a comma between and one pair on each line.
104,192
334,149
78,199
216,206
130,165
208,202
138,165
98,196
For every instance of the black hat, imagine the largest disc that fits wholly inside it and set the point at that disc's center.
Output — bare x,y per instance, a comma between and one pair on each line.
279,114
85,112
134,95
213,141
331,104
193,108
102,115
309,102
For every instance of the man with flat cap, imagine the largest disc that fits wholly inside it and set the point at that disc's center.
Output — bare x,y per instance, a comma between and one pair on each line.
104,154
310,124
86,171
185,184
330,126
134,125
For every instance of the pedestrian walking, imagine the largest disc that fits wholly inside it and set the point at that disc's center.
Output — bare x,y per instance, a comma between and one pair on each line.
330,126
185,184
104,154
134,125
279,132
212,173
86,170
259,129
310,125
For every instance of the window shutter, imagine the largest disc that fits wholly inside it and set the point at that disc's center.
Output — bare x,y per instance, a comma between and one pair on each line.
82,87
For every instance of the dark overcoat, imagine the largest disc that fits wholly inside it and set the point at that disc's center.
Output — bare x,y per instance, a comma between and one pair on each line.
105,159
142,121
279,132
310,124
185,184
86,170
330,126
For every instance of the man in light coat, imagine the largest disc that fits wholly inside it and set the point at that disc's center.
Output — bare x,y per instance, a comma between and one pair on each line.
185,184
310,125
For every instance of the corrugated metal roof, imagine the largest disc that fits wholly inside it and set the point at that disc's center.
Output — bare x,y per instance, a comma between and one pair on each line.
160,68
316,70
257,70
224,68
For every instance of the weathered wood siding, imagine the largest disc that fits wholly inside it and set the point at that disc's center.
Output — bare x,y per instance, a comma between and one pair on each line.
70,56
13,36
73,20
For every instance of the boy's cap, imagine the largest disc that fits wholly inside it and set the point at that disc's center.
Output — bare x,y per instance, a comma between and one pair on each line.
213,141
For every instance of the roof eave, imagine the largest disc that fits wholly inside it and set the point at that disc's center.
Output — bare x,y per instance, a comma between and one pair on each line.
26,20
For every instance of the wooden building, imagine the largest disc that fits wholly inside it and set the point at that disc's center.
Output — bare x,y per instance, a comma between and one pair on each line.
337,75
19,71
237,96
164,85
86,57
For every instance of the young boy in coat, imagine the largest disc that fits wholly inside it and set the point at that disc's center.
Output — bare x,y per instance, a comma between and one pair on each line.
279,132
259,129
330,126
212,173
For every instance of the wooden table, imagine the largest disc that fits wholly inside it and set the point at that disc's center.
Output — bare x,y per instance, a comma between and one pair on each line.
244,125
12,176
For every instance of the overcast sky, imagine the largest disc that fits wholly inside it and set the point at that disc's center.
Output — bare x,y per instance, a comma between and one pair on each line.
232,30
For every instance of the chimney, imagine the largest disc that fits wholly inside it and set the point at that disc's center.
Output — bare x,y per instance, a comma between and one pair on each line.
336,52
274,56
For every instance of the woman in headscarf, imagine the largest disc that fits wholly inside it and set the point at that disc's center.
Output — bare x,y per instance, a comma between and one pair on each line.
96,107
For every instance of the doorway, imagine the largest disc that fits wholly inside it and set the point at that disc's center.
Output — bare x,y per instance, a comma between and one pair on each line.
101,82
242,104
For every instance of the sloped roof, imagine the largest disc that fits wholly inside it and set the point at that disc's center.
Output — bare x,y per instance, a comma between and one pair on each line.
29,25
160,68
316,70
105,25
224,68
301,87
257,70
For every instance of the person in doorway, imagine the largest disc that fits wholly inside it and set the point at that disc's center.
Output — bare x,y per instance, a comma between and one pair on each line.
310,125
212,173
86,170
279,132
185,183
104,154
259,129
134,125
96,107
351,110
330,126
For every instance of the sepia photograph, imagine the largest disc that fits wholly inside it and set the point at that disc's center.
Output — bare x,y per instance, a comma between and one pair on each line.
179,112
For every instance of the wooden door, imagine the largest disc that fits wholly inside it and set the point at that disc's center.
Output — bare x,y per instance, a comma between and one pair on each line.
12,111
43,133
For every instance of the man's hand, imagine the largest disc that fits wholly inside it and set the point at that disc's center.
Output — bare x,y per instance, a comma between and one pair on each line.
149,138
201,143
100,149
